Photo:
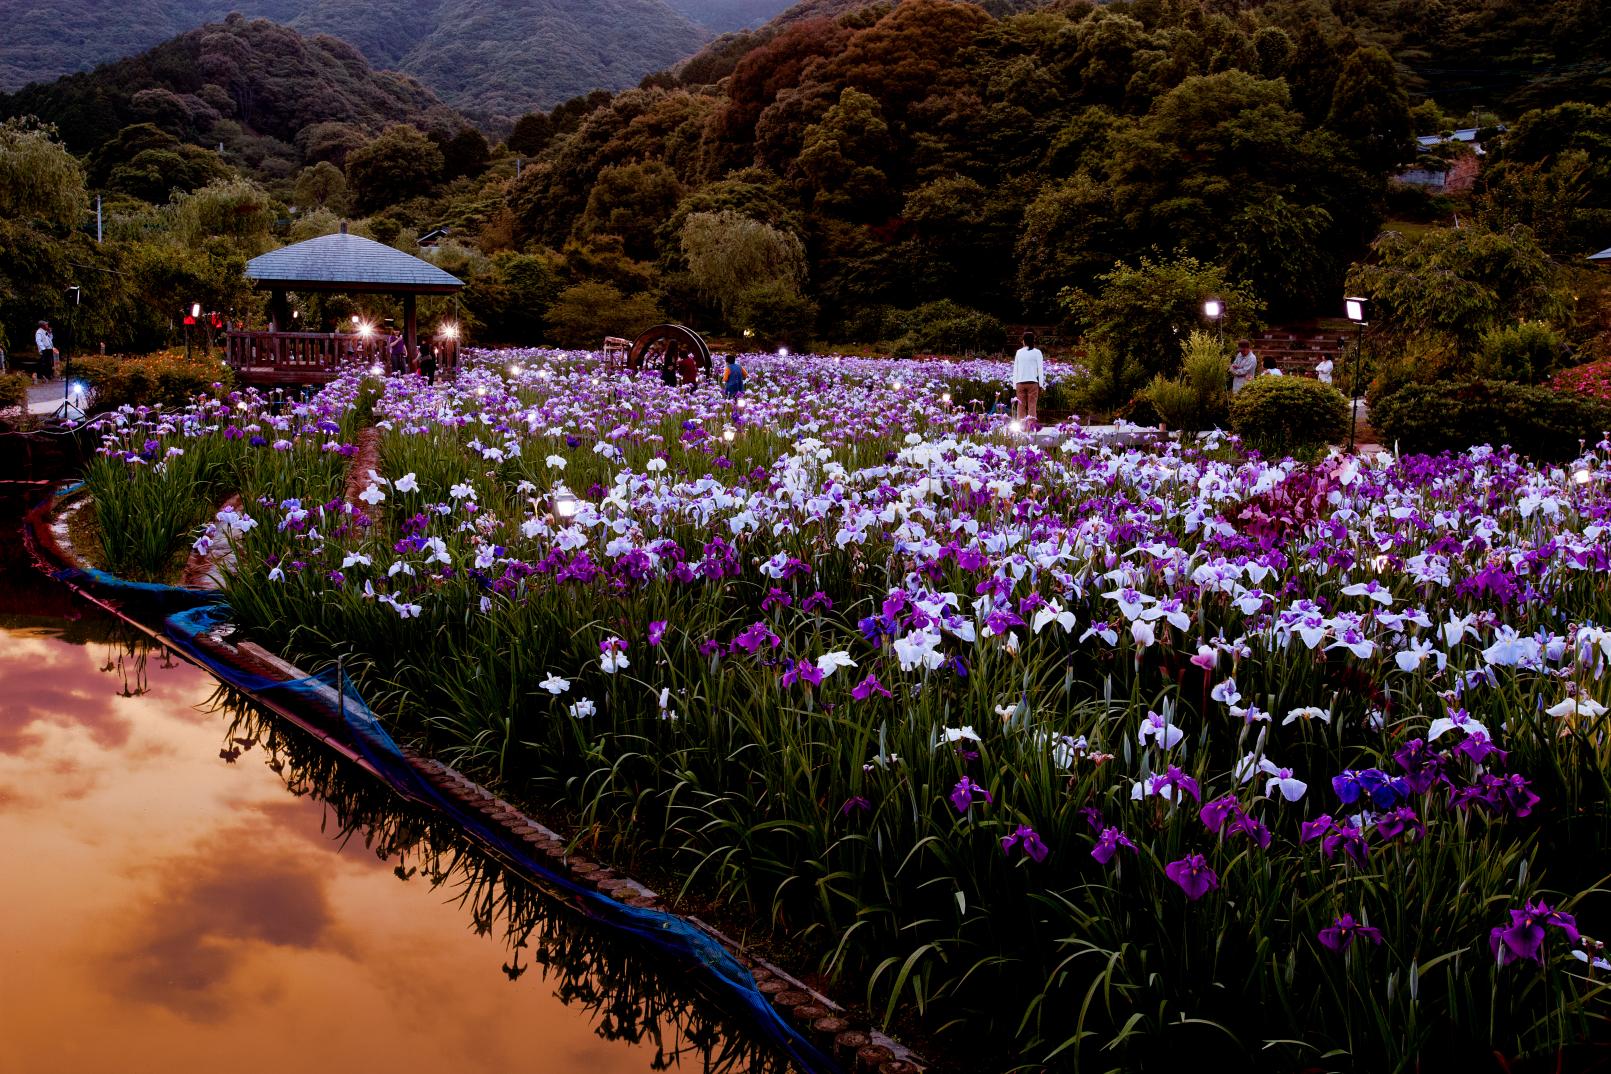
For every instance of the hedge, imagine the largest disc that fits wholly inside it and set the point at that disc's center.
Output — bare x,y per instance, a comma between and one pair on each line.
1534,421
164,379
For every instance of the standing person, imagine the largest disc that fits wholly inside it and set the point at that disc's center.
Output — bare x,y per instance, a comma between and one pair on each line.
1323,370
1028,377
428,361
398,347
45,343
668,369
733,378
688,369
1244,366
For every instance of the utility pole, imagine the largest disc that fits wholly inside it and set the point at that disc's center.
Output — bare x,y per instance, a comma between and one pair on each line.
98,231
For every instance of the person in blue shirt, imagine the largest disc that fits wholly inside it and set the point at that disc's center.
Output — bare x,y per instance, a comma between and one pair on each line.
733,378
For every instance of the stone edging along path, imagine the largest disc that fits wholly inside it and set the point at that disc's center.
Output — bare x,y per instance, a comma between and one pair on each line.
859,1048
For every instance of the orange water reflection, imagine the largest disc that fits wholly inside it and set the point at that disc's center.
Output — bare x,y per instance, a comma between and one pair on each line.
167,909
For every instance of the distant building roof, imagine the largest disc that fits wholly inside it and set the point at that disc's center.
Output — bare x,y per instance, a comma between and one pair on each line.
1464,134
1603,255
349,263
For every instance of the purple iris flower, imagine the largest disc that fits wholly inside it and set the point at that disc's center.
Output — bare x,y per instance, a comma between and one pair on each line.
1523,938
962,794
1193,875
776,598
1108,844
1344,930
1423,766
1224,815
755,636
802,671
867,688
856,804
1174,777
1396,822
819,599
1478,749
1347,838
1093,817
657,631
1027,838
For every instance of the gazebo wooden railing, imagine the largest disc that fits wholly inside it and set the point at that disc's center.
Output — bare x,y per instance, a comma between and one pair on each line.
296,357
312,357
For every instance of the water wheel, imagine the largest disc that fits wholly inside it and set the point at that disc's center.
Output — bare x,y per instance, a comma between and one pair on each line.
668,344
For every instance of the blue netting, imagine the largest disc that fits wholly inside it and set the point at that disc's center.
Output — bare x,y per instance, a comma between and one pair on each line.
332,694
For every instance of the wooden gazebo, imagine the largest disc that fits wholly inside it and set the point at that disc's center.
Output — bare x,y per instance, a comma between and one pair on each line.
341,263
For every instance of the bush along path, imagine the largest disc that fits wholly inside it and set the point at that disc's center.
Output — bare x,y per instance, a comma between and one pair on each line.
1096,751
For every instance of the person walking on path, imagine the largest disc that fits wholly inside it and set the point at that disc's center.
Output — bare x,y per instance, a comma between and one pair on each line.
1244,366
733,379
1028,377
45,343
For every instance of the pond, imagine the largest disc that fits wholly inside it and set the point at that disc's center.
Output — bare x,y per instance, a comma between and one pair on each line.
192,885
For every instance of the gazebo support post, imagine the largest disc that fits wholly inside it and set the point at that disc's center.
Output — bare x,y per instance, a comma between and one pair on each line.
411,329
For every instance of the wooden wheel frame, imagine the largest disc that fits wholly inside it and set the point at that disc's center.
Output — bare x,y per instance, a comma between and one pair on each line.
651,350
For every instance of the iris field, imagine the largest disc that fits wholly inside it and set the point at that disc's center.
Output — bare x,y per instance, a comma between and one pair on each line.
1053,754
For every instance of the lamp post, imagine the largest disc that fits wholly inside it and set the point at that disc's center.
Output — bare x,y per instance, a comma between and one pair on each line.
1354,308
1214,310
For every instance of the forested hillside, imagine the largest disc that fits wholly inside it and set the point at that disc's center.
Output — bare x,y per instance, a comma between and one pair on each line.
926,172
492,57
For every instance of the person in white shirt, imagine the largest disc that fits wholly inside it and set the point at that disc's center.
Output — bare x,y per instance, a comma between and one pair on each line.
1323,370
45,344
1244,366
1028,377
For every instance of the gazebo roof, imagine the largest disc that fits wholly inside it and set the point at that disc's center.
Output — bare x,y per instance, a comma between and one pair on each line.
348,263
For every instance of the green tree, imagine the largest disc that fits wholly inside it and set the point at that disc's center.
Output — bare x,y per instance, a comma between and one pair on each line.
1456,284
775,312
39,180
531,134
321,186
585,313
1142,313
842,158
631,201
728,254
400,163
1370,109
234,209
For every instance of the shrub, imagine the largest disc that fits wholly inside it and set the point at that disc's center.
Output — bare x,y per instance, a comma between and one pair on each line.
777,313
944,327
584,314
1281,415
13,390
1525,353
166,379
1534,421
1174,400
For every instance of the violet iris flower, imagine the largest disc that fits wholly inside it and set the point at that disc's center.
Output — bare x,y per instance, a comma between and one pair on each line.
1027,838
802,671
855,804
1193,875
1523,938
868,687
1344,930
657,631
962,794
1108,843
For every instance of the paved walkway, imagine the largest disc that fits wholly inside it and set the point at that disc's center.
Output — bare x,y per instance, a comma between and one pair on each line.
45,397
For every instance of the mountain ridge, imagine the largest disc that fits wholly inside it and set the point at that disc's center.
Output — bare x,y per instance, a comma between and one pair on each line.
488,58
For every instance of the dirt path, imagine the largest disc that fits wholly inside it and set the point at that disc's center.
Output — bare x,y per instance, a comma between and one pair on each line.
367,459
